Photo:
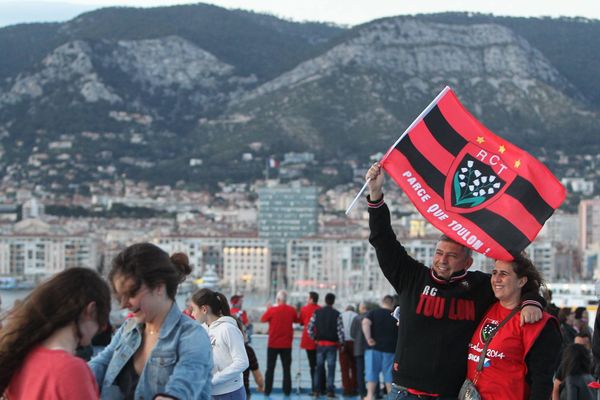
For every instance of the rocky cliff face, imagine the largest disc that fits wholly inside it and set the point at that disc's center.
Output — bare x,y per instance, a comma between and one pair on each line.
432,51
157,67
69,65
363,92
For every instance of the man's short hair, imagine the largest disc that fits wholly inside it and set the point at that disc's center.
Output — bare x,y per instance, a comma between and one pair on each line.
387,299
467,250
329,299
282,295
579,312
314,296
362,305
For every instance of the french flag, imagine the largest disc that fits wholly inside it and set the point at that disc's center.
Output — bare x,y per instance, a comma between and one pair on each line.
273,163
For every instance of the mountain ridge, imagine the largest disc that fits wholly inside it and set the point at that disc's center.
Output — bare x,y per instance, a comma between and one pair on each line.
142,92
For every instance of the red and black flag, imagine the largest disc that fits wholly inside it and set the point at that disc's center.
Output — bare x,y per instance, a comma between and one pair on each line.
474,186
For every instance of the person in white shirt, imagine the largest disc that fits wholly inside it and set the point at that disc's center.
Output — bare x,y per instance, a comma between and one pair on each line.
347,364
229,355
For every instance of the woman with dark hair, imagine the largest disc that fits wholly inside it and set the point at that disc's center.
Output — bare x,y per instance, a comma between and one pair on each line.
508,360
575,375
37,347
158,353
229,355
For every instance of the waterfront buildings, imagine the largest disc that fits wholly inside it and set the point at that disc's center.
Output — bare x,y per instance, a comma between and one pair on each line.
281,238
36,249
243,264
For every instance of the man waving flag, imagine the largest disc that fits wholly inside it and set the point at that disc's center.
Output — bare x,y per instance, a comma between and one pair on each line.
474,186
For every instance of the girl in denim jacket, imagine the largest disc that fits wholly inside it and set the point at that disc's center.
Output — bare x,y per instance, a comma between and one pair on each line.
158,353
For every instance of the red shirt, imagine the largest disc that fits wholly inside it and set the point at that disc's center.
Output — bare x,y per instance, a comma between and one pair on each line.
281,332
305,313
504,369
52,375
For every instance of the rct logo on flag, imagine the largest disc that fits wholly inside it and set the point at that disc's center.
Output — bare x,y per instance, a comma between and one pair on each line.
471,187
471,184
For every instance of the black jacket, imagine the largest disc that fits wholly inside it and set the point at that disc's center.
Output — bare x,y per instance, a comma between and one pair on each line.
326,324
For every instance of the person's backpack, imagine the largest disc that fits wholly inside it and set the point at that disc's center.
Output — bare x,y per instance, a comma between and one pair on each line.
575,387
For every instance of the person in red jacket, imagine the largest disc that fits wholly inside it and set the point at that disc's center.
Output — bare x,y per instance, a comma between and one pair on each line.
519,361
281,318
307,343
236,308
237,301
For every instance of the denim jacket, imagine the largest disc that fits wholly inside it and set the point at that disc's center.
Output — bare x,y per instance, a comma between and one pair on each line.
179,366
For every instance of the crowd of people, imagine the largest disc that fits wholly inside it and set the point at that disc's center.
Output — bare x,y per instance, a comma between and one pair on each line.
448,333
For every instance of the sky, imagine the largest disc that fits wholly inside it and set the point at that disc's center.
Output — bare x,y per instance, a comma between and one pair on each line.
344,12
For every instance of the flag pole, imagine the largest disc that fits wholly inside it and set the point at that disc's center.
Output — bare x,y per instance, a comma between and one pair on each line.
415,122
351,206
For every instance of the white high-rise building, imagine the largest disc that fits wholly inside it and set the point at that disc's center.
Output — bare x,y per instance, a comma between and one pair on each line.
589,223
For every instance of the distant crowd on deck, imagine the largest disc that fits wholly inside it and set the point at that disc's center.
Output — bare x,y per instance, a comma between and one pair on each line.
447,333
